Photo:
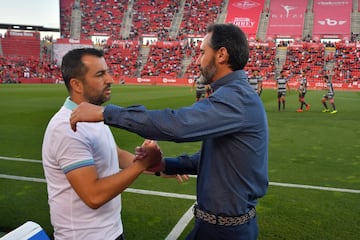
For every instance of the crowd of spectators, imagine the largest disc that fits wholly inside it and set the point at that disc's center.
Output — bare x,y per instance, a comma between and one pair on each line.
122,57
154,17
66,7
192,71
13,69
262,57
346,63
166,56
198,14
164,59
306,58
102,17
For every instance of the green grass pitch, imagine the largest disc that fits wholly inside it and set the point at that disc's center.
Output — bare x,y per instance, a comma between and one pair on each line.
311,148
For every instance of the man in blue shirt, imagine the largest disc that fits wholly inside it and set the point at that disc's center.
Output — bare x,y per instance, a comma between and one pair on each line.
232,164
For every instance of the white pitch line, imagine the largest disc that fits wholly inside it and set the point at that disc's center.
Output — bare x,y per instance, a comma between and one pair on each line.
132,190
293,185
314,187
20,159
181,224
162,194
21,178
290,185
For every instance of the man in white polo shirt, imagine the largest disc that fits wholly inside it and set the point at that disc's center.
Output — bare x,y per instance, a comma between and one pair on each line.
85,170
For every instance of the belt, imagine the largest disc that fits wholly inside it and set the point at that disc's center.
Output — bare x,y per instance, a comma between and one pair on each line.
223,220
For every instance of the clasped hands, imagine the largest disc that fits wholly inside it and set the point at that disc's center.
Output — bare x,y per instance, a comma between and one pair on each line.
150,155
150,152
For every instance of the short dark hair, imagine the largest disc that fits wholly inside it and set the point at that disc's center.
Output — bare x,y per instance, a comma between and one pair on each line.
72,65
234,40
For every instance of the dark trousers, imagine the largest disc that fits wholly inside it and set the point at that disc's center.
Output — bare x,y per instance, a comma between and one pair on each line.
206,231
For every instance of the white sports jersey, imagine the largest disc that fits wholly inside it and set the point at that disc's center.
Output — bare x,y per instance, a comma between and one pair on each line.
330,89
64,150
254,81
282,81
303,85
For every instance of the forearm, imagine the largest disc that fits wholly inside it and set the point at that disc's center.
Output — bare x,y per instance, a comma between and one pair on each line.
125,158
183,164
109,187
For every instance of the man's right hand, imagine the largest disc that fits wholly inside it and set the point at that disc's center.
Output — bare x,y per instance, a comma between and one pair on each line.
86,112
150,155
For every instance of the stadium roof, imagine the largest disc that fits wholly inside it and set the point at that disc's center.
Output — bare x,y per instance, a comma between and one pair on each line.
27,27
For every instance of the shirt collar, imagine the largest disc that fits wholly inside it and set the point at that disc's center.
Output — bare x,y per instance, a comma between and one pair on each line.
69,104
235,75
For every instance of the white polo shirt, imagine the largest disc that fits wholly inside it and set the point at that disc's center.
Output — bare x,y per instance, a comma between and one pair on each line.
64,150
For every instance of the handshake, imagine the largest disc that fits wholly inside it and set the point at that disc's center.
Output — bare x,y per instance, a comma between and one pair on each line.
150,155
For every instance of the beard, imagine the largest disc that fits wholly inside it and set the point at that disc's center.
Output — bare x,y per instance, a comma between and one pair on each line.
97,98
208,73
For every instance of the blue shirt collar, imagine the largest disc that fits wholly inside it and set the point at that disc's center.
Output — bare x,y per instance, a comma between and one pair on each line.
235,75
69,104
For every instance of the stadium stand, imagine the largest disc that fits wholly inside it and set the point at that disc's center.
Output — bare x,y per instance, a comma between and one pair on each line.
192,70
286,19
160,39
164,59
65,16
198,14
21,43
346,63
262,58
122,56
334,18
102,18
154,17
305,57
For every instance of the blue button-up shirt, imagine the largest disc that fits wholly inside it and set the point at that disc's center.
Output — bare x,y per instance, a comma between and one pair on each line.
232,165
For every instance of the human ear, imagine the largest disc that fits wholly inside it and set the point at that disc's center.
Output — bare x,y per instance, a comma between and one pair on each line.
76,85
222,55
